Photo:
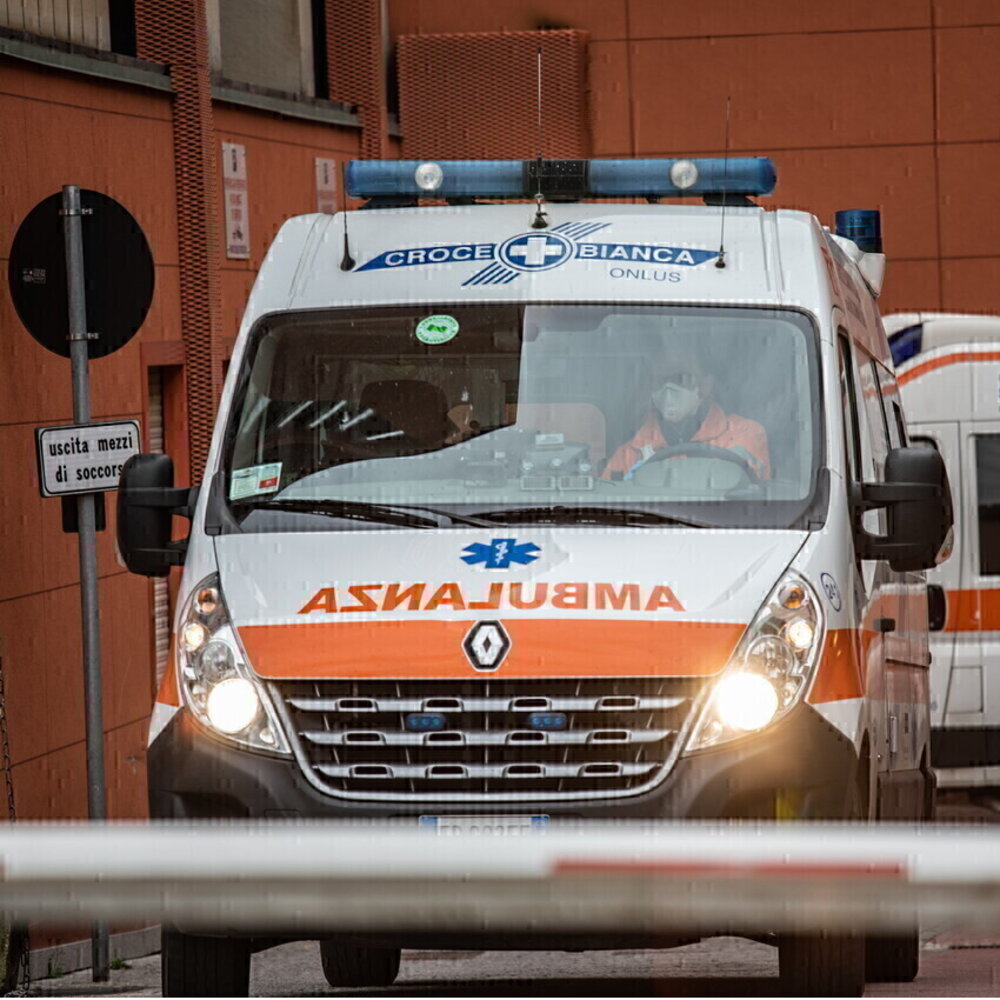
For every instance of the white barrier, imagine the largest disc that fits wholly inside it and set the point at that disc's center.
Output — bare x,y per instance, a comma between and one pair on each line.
648,877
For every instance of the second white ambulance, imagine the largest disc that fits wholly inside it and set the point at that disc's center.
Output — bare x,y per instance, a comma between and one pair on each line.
523,511
949,375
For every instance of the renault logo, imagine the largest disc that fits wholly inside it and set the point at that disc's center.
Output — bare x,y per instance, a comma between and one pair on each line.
486,645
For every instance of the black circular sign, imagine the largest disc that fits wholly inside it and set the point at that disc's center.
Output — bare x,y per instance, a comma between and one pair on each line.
117,266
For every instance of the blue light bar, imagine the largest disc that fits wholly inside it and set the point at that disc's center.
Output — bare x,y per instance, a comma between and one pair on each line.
460,179
559,179
747,175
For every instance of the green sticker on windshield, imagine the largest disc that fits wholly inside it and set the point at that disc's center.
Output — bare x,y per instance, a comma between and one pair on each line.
437,329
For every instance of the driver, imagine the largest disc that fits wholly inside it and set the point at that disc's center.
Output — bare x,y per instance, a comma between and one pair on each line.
682,409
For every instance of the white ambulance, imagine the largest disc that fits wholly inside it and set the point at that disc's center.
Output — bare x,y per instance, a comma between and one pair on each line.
949,374
526,511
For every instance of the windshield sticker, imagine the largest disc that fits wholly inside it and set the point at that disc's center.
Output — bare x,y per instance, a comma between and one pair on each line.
437,329
531,252
254,480
500,553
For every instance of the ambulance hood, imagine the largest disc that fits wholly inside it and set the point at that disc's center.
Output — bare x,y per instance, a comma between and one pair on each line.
570,602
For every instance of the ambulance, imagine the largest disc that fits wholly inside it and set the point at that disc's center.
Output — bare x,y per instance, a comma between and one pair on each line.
948,368
533,498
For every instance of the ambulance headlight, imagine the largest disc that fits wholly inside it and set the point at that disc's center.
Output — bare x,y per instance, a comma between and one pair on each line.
770,669
745,701
215,679
232,705
428,176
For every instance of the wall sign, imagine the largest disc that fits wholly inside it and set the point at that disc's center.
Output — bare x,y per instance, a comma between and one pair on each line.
326,185
234,188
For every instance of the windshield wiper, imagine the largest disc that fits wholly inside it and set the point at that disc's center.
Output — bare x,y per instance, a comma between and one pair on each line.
451,515
363,511
350,509
564,514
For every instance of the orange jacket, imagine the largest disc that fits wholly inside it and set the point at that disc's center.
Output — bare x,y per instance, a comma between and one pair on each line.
718,428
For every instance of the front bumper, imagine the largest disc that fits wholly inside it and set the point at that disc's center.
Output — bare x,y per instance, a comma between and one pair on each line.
799,767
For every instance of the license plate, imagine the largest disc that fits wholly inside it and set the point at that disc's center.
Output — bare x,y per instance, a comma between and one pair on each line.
505,826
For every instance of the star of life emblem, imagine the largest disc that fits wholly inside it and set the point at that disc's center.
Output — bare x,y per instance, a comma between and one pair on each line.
500,553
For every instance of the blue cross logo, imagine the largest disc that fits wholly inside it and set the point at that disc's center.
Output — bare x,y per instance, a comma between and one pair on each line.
536,251
500,553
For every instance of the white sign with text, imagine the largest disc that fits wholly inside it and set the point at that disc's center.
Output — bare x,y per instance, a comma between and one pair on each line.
84,458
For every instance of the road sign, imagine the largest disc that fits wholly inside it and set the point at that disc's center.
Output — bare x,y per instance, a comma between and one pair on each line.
84,458
82,291
118,283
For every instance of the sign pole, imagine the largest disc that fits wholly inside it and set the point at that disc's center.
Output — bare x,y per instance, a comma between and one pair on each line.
78,341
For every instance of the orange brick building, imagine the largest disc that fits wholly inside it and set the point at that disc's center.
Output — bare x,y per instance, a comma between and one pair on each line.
889,105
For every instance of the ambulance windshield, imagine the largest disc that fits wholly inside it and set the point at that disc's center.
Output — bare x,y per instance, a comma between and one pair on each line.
510,413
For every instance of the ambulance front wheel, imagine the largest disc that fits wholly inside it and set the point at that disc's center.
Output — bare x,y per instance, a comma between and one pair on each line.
195,966
346,965
822,965
893,959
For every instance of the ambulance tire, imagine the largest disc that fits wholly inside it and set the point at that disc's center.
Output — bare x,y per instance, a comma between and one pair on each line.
194,966
347,965
893,959
822,965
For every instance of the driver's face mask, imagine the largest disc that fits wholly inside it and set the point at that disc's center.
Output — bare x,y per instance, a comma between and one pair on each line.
676,402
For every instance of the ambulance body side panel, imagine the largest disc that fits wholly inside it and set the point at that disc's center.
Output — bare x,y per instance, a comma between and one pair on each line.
891,607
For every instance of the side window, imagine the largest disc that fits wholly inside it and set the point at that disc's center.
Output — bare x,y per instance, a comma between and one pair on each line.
900,424
877,429
849,402
988,502
894,422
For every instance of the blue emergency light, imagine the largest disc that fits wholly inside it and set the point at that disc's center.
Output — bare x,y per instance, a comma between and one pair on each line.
559,179
863,226
425,722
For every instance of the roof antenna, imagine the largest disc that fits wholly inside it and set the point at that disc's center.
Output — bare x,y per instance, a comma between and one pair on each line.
347,262
541,220
720,261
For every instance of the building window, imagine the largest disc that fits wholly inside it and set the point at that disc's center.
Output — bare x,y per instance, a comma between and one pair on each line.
81,22
121,18
264,43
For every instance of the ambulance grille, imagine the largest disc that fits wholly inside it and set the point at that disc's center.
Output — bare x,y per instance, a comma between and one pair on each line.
482,740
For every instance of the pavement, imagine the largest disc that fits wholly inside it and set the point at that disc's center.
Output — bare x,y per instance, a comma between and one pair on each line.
952,965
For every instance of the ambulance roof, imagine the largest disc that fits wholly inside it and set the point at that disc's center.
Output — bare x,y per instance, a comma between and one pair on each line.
587,253
946,328
917,333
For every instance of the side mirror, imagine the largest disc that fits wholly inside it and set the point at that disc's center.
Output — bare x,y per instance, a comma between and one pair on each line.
147,502
937,607
917,499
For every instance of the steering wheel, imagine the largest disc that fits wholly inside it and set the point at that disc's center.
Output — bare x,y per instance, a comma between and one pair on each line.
694,448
